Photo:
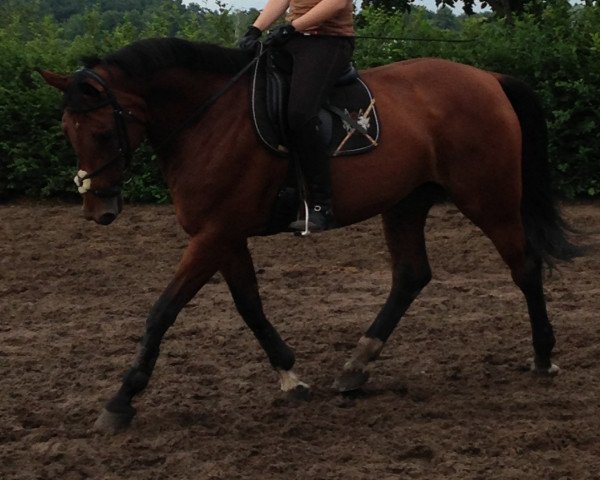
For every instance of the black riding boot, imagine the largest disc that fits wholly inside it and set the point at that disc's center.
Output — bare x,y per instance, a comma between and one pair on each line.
315,167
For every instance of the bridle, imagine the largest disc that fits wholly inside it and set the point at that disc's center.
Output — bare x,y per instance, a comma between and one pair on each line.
83,179
120,116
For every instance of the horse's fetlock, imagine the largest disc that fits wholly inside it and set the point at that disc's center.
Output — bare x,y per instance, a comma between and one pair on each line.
120,405
543,346
136,380
280,355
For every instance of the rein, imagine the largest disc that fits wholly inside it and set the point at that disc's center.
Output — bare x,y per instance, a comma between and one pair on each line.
417,39
83,178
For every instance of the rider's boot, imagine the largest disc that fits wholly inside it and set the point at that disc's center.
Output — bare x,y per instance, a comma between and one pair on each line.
315,166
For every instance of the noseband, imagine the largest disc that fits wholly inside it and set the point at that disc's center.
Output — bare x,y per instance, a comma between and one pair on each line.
83,178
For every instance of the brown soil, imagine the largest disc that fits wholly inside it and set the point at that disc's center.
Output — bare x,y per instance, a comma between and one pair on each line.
450,398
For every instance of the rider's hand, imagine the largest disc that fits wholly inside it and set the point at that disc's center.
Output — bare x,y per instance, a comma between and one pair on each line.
280,35
250,40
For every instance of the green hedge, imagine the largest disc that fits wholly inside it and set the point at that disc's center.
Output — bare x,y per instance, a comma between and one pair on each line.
556,51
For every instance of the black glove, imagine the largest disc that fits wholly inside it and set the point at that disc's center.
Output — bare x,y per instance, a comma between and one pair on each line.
250,39
280,35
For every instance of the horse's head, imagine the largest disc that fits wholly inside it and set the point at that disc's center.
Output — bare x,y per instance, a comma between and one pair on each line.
104,126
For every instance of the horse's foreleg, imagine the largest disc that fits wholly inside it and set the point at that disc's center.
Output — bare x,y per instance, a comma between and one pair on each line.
404,232
198,264
238,271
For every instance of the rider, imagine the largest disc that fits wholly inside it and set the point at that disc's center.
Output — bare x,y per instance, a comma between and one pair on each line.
319,37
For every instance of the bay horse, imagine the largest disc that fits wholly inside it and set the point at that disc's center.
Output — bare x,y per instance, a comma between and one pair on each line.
478,136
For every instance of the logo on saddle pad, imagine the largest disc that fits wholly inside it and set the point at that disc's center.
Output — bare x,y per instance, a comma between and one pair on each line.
349,122
362,119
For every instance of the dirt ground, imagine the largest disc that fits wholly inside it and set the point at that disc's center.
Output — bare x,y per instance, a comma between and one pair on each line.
450,398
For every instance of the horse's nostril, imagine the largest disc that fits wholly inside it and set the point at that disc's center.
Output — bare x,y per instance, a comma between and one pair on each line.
106,218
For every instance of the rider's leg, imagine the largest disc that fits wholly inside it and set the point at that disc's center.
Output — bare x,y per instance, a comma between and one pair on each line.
314,162
317,64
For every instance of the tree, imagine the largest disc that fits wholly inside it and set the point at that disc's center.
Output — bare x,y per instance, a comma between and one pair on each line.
445,19
389,6
507,8
502,8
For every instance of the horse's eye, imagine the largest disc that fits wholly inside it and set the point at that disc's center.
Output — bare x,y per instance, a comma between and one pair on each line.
87,89
105,136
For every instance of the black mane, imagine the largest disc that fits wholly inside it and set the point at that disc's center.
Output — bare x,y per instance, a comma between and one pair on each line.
144,57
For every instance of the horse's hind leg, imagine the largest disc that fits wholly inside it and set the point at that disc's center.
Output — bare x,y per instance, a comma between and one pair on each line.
238,271
507,234
530,282
404,233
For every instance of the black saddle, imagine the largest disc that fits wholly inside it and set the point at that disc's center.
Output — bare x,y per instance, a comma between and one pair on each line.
349,122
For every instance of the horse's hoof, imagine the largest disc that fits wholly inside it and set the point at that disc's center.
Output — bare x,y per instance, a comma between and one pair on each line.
350,380
550,371
113,422
300,392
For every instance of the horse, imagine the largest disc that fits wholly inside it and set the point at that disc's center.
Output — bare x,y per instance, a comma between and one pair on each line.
477,137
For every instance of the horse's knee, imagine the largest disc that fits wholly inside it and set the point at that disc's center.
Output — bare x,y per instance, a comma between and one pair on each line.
412,279
422,279
161,318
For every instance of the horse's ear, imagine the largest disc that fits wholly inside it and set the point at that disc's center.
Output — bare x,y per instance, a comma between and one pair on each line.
54,79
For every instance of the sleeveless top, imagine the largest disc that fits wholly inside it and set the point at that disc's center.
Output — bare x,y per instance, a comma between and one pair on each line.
341,24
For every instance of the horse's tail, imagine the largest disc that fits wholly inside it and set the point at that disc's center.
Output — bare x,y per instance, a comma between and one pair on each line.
545,230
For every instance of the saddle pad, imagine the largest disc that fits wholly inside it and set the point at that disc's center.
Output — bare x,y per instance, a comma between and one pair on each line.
269,101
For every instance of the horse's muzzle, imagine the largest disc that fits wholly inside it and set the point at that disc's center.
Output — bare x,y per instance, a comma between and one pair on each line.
102,210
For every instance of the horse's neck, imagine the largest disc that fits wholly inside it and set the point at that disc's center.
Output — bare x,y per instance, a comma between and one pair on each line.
173,97
187,136
216,164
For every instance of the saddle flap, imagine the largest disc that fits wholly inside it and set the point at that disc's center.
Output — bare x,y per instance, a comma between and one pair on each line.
276,94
